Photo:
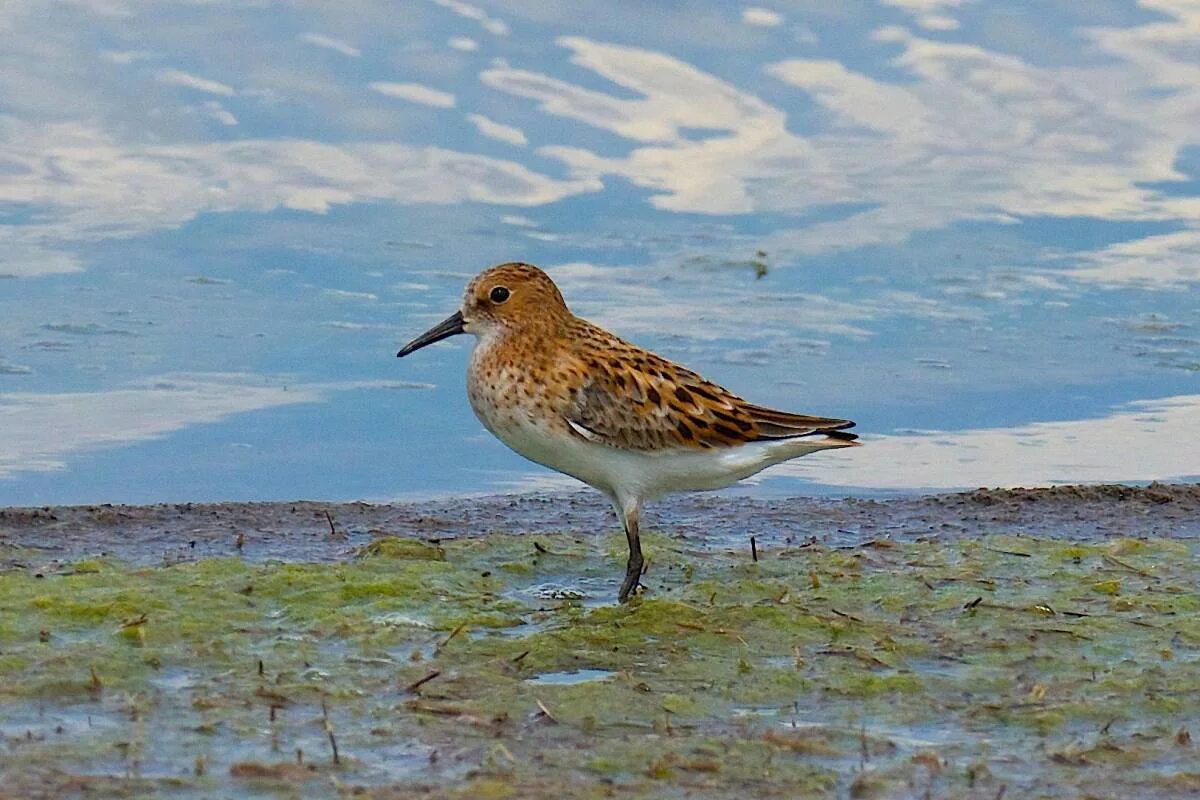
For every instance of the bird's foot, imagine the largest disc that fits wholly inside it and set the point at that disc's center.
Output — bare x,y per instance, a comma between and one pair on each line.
633,575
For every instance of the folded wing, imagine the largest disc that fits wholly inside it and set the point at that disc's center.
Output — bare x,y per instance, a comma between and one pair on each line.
639,401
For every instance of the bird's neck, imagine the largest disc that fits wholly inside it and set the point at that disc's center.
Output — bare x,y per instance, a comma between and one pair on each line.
530,344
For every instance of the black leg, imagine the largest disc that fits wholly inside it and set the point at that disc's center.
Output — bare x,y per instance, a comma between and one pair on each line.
633,569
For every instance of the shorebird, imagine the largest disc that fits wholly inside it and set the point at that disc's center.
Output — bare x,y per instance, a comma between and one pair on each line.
571,396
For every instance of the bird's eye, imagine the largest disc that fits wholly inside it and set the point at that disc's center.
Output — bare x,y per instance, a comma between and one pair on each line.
499,294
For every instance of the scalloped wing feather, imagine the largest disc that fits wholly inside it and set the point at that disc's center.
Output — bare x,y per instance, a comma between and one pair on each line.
633,399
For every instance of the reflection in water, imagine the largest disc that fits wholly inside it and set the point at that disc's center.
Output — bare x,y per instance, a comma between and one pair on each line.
41,430
972,135
83,176
1142,442
978,219
1169,261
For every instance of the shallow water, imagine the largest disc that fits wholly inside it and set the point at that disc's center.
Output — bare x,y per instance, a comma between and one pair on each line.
971,227
570,678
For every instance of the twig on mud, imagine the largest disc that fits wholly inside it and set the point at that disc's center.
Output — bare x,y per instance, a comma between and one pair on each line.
1125,565
417,684
753,549
329,731
844,614
455,714
435,709
1017,553
1061,630
333,531
457,630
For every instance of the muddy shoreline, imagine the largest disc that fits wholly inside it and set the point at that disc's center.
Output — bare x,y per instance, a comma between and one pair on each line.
1041,642
311,531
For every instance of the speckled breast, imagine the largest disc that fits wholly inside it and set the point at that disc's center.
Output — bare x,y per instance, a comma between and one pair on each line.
508,395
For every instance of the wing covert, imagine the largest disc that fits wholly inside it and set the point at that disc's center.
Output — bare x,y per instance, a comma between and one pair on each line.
647,403
634,399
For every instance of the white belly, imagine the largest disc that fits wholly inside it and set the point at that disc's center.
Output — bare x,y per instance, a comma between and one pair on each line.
644,475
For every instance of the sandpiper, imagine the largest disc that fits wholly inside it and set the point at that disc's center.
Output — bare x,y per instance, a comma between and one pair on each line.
573,397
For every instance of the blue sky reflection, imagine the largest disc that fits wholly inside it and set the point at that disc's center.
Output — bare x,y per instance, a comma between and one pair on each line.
218,220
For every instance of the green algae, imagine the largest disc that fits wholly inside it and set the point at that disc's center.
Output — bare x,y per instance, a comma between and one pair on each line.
888,669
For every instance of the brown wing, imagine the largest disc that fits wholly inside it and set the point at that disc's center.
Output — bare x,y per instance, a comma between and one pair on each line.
634,399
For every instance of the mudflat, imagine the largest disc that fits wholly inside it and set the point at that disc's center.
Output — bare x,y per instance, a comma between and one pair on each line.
989,643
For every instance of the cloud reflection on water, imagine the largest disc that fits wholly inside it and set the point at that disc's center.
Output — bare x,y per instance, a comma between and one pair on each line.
82,180
914,209
1144,441
972,135
42,431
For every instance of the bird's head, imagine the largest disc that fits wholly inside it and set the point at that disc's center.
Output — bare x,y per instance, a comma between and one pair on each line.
505,298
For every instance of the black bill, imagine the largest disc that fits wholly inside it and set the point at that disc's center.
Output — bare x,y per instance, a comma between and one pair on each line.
444,329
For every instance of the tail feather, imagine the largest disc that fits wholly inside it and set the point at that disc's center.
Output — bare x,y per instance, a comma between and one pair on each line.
773,424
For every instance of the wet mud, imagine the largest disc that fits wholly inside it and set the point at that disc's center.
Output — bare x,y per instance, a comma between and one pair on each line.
315,531
992,643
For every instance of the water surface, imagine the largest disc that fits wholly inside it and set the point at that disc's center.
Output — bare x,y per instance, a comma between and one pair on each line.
973,228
